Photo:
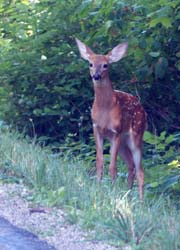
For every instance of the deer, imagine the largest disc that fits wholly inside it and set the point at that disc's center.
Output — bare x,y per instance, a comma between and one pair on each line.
117,116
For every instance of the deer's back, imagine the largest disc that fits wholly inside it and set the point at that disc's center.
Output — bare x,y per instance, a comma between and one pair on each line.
132,112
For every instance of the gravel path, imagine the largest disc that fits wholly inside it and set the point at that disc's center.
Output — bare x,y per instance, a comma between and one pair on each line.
48,223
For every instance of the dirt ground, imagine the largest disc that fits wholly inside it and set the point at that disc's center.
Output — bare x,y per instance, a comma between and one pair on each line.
48,224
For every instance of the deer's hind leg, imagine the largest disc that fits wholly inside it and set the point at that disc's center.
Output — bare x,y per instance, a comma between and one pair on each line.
135,146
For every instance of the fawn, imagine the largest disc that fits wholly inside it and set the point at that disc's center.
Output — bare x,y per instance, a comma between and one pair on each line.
116,115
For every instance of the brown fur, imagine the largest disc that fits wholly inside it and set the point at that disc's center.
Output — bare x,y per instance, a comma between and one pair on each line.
116,115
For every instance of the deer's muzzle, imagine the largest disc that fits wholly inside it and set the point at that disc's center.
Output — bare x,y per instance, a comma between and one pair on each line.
97,77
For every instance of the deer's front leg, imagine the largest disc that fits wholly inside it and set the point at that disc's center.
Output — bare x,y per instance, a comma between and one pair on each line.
99,153
115,144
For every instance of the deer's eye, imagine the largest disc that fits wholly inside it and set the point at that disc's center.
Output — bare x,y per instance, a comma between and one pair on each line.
105,66
90,65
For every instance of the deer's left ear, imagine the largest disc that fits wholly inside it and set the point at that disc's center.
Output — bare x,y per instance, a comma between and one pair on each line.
84,50
117,53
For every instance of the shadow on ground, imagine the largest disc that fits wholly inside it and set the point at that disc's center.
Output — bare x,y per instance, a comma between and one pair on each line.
14,238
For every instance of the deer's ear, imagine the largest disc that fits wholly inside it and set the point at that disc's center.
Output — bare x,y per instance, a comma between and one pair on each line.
84,50
117,53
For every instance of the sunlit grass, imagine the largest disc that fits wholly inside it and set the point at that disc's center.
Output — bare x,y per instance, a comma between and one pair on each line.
114,213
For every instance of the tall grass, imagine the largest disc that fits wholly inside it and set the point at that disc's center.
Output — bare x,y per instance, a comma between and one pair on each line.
114,213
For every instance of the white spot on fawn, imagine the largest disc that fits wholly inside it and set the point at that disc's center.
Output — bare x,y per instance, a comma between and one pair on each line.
114,131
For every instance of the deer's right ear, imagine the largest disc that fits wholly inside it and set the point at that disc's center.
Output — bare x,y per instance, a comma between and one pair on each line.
84,50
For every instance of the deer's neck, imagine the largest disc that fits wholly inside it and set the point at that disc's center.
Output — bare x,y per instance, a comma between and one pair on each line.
103,93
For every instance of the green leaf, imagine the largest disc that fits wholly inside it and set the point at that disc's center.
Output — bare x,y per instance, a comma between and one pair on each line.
154,184
154,54
108,25
161,147
178,54
169,139
37,112
165,21
149,138
162,135
178,65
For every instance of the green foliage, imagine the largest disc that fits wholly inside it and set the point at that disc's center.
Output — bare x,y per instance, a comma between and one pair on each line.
163,162
45,86
39,67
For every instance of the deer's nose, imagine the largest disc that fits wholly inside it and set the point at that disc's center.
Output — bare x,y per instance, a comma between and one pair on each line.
97,76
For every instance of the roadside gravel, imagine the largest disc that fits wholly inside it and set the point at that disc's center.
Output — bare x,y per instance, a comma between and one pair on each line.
48,224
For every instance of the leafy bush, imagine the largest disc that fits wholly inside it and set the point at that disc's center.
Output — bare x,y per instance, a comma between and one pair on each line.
46,88
163,162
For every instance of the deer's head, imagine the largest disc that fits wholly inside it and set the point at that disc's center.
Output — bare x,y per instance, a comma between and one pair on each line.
99,64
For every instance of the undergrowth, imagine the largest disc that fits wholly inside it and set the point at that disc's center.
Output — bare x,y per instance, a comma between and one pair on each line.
114,213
